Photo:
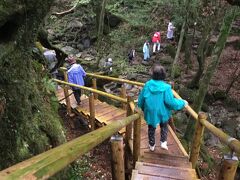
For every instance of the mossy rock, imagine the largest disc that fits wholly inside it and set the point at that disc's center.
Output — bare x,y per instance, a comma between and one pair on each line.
187,94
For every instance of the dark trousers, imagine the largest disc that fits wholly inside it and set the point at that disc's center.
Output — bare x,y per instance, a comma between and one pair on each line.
151,133
77,95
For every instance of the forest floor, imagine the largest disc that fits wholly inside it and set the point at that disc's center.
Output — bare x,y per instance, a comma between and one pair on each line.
96,164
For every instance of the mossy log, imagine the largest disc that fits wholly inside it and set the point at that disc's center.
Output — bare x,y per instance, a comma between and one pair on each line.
52,161
28,124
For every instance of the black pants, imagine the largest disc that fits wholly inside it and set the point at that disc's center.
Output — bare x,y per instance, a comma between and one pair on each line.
151,133
77,95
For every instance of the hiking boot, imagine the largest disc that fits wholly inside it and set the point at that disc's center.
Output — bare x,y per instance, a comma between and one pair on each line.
164,145
152,148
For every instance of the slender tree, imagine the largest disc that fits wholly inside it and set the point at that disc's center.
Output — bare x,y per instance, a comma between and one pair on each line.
28,123
180,42
215,58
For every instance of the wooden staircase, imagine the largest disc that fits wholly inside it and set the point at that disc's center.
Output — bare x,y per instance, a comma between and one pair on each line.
151,171
162,166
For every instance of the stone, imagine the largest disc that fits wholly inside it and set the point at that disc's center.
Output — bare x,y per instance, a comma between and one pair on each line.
78,55
74,24
80,47
86,43
69,50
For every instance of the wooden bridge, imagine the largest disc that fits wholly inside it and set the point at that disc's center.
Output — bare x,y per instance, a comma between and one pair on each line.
130,126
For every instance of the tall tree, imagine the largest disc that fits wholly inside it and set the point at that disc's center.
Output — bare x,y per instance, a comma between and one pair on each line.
28,123
180,42
215,58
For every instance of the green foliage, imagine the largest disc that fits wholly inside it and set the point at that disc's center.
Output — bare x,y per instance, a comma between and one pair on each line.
80,2
79,168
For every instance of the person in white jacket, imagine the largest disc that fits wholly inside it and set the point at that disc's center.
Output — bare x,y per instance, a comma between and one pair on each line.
170,30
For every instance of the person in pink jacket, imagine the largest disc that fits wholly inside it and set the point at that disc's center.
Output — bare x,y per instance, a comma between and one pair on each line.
156,39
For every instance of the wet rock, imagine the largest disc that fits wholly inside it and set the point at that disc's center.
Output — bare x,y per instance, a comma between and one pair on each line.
86,42
74,24
69,50
78,55
80,47
89,58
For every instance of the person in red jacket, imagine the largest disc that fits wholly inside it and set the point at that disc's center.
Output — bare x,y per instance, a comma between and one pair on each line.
156,39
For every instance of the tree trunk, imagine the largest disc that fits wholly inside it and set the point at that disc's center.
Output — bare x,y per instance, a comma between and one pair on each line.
209,25
215,57
180,42
28,123
235,75
188,47
178,50
100,25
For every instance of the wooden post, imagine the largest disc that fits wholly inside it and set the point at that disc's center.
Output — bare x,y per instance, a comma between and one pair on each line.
123,95
136,139
197,140
66,94
130,126
118,171
229,168
94,83
92,111
171,120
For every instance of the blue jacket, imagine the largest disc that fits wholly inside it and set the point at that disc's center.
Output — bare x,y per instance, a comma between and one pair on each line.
156,100
76,74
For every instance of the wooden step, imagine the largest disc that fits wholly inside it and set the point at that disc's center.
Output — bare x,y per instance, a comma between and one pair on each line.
151,177
165,171
165,159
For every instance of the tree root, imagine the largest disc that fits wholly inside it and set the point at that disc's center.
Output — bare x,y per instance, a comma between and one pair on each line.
66,12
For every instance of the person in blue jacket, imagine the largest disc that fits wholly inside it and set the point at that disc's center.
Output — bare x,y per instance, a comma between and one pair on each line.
146,52
157,102
76,75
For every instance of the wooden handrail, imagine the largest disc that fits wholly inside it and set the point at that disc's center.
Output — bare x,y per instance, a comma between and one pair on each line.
231,142
234,144
188,108
92,90
50,162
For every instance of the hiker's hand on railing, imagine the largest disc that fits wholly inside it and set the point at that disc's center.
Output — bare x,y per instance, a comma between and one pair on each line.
186,103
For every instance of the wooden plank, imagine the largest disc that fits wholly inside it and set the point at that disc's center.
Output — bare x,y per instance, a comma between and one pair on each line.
106,111
165,159
134,174
152,177
122,115
179,144
166,171
115,112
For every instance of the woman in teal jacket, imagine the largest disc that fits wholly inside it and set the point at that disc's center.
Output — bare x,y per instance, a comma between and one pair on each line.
157,101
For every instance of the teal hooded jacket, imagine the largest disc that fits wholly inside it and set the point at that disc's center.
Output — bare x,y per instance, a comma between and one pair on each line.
157,101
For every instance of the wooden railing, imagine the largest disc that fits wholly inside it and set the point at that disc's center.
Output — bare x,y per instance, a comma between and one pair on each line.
50,162
230,164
